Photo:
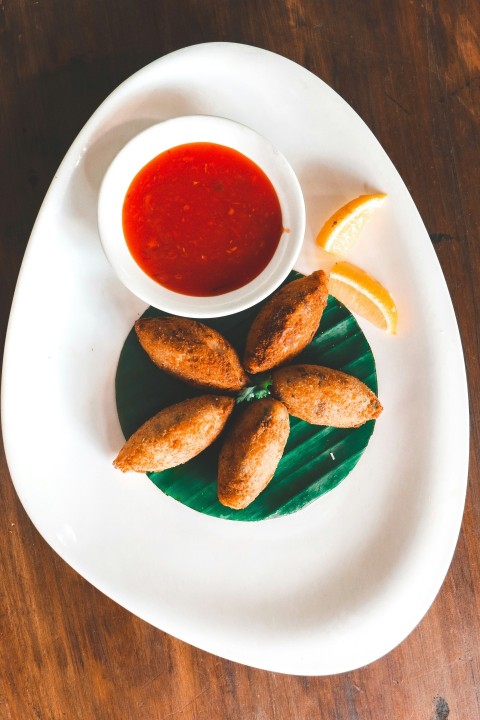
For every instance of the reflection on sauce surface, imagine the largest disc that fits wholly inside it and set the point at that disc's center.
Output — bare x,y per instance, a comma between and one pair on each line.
202,219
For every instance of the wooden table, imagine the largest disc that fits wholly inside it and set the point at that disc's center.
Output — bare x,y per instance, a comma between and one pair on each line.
411,69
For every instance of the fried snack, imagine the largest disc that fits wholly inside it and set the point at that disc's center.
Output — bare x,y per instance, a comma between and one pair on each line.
251,452
175,435
321,396
286,323
192,352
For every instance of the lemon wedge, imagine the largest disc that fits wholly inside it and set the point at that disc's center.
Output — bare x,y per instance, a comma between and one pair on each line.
342,229
361,293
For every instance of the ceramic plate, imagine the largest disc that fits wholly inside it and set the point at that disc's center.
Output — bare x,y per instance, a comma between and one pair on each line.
329,588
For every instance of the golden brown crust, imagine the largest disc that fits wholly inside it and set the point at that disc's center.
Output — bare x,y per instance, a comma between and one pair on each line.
192,352
286,323
175,435
251,452
322,396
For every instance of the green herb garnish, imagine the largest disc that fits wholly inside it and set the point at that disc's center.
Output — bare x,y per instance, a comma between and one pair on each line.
255,392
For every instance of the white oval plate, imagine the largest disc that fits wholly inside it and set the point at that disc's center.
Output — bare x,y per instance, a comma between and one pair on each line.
323,591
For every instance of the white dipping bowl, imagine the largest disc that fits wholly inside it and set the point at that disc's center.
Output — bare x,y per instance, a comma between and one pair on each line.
190,129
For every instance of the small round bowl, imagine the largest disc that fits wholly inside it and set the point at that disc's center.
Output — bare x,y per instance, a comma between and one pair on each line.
189,129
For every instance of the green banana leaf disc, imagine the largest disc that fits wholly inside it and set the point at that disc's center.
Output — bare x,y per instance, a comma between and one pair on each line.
316,458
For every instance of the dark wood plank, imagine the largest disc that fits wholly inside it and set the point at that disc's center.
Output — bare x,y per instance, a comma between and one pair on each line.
412,72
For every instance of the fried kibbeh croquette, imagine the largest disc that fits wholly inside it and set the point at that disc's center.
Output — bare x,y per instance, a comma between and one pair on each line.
251,452
286,323
175,435
322,396
191,351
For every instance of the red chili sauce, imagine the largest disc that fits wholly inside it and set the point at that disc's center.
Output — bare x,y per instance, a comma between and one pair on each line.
202,219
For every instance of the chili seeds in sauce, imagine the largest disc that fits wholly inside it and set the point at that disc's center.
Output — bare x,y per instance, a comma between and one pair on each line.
202,219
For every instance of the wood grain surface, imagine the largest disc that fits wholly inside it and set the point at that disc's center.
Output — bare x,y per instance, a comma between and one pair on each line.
411,69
